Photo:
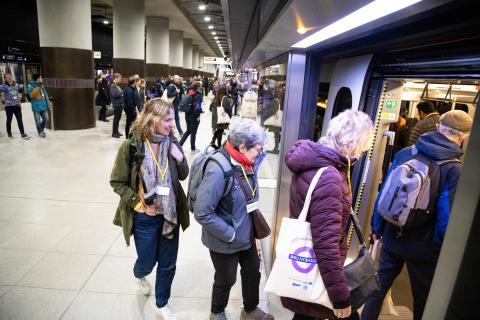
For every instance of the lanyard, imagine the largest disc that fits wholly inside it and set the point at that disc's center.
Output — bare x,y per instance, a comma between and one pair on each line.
348,176
164,173
248,182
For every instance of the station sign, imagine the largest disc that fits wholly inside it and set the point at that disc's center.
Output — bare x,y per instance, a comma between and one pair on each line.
97,55
215,60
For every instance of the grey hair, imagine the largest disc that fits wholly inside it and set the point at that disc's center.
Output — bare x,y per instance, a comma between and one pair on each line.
450,132
350,133
248,133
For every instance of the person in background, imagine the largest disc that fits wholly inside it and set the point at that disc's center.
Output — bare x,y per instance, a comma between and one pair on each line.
227,224
176,84
429,118
270,111
102,100
192,117
130,104
348,135
220,100
141,94
419,248
11,92
153,206
116,96
39,100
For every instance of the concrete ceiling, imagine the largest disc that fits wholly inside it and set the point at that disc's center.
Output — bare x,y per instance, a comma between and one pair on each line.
172,9
282,34
283,31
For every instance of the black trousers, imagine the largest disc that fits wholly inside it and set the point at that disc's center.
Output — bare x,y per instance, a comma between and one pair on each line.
298,316
226,275
192,127
131,116
117,115
102,113
17,111
217,135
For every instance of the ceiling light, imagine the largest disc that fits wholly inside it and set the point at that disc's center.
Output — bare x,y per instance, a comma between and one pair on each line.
215,38
372,11
210,27
207,18
105,21
202,7
214,33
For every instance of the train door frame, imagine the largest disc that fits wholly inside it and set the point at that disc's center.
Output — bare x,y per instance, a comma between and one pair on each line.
379,149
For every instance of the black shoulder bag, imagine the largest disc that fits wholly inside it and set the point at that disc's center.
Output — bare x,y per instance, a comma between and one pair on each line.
361,274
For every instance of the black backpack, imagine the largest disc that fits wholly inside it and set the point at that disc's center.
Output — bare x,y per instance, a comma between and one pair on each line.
186,104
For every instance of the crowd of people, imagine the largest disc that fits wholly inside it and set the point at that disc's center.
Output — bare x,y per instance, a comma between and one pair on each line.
12,94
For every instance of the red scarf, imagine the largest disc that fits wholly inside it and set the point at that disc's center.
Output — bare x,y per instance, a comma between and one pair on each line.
238,156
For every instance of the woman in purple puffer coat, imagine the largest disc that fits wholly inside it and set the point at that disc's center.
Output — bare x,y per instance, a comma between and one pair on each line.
348,136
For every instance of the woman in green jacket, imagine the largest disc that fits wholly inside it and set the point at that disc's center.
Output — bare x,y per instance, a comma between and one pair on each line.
146,175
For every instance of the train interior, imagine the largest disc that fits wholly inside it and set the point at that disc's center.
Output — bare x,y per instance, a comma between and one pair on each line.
391,102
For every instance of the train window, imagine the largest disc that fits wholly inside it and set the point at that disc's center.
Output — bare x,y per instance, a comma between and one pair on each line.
343,101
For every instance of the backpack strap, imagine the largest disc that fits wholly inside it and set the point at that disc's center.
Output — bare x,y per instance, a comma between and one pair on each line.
444,162
221,160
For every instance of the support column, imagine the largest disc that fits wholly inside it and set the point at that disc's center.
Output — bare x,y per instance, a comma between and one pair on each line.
195,58
67,61
158,48
176,52
201,65
187,57
128,37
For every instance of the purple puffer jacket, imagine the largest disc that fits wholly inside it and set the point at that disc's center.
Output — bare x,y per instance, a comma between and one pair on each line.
329,213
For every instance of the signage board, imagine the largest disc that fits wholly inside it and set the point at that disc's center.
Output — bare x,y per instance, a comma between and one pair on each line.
215,60
97,55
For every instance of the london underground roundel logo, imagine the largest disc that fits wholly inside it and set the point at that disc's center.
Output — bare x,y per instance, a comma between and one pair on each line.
303,259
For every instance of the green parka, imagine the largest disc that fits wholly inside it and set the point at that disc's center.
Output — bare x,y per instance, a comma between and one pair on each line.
124,181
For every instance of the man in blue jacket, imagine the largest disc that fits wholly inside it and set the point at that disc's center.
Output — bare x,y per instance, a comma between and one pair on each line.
39,100
420,248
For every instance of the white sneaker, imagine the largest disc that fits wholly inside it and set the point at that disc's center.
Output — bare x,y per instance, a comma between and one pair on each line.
144,286
165,313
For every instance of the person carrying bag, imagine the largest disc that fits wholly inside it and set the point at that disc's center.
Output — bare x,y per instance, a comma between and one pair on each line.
348,136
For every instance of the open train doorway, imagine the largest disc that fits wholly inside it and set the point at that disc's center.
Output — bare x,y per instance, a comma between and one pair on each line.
396,114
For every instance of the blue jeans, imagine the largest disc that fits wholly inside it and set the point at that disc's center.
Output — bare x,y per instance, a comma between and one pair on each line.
153,248
177,120
41,119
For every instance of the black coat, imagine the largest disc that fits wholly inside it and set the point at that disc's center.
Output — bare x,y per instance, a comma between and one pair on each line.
102,98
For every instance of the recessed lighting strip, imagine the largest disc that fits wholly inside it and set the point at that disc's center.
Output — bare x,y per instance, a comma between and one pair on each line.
371,12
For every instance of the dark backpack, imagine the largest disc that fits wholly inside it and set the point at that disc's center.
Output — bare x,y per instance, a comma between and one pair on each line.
410,192
186,104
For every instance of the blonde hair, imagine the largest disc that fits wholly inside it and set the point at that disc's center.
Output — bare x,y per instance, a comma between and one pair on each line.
155,110
350,133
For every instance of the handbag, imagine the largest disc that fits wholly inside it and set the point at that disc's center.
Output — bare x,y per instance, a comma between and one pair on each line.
275,120
222,115
295,272
260,226
361,274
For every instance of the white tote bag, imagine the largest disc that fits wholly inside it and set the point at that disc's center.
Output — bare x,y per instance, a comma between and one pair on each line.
222,116
295,271
275,120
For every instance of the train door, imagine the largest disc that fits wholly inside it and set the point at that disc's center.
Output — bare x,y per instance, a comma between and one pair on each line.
398,100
